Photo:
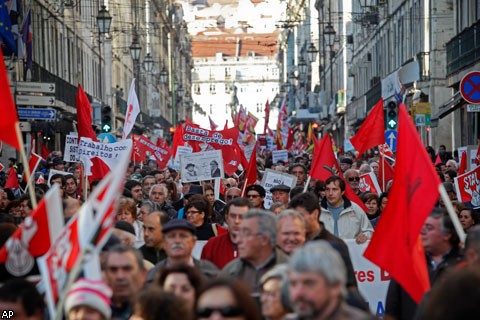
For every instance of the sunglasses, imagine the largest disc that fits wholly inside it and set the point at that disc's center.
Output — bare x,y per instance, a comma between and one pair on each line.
254,196
354,179
227,311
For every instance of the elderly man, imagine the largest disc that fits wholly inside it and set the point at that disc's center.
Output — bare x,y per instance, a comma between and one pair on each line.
280,193
291,231
300,171
353,179
256,195
153,250
158,194
257,250
179,240
125,274
223,248
345,164
233,193
343,218
317,284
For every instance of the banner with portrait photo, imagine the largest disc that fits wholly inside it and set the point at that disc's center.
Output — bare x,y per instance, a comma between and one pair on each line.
201,166
272,178
369,183
467,186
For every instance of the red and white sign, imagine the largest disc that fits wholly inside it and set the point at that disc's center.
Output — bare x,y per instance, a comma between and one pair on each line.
369,183
142,147
467,186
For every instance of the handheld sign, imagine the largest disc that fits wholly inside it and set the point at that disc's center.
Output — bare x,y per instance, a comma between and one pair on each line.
201,166
272,178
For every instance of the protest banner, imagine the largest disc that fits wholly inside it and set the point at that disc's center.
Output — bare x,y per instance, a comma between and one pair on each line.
110,153
471,152
142,148
369,183
372,281
70,154
272,178
467,186
279,155
201,166
51,172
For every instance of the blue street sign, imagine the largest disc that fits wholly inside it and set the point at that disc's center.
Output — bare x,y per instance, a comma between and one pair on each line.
37,113
391,139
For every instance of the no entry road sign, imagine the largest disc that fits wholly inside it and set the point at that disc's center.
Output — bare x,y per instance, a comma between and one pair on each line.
470,87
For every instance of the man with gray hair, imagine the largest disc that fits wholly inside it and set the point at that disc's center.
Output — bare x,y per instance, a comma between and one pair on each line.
159,193
317,284
291,231
256,241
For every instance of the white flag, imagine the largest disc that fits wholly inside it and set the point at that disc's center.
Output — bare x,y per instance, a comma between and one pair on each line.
133,109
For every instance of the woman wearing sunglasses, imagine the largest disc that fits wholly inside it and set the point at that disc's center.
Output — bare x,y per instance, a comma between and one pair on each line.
226,299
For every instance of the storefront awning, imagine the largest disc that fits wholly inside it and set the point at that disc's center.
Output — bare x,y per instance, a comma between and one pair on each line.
446,108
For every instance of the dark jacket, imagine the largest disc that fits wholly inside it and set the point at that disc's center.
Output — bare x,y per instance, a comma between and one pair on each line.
169,210
152,255
207,269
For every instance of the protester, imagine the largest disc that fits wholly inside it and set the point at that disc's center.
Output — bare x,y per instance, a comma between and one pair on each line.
153,250
256,195
353,179
158,194
373,212
277,207
127,211
345,164
21,297
233,193
468,217
71,187
300,171
88,300
135,188
153,303
199,214
280,193
274,296
291,231
147,183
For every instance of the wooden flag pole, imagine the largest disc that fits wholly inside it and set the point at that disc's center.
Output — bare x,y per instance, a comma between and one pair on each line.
244,187
26,168
451,212
307,183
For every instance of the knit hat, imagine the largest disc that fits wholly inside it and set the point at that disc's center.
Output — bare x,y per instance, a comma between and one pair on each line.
124,226
94,294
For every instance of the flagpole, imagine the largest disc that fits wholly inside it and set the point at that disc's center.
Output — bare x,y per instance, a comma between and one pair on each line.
451,212
307,183
85,181
244,187
26,167
382,158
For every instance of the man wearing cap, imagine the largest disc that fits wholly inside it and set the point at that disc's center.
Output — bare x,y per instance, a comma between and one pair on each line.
280,193
300,171
223,248
179,240
88,299
256,195
345,164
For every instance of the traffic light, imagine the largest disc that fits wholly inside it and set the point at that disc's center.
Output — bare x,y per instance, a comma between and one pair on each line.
392,116
106,119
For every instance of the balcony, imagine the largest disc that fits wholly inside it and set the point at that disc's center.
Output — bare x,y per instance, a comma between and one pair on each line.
464,49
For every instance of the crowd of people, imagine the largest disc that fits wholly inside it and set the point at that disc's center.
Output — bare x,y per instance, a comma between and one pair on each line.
178,252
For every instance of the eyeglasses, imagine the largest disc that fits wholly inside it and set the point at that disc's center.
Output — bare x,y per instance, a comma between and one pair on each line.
354,179
227,311
254,196
192,212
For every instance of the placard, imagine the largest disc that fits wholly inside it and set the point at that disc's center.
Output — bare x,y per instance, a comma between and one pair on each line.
272,178
70,154
279,155
201,166
181,150
467,186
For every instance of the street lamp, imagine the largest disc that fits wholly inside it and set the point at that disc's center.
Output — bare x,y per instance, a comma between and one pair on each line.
312,52
135,49
148,63
302,67
329,33
163,76
104,20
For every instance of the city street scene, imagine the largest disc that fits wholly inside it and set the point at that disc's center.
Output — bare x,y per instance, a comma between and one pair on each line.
239,159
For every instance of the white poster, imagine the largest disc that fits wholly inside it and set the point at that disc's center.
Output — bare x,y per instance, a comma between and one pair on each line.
201,166
110,153
279,155
272,178
371,280
180,151
71,148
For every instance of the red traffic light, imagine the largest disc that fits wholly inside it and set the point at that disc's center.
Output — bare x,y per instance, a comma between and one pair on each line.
314,125
171,130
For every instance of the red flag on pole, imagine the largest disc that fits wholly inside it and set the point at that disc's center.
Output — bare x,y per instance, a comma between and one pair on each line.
213,125
252,174
385,172
33,163
12,180
438,160
372,131
9,118
394,246
463,164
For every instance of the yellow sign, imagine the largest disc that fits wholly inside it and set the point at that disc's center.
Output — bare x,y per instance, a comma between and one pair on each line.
423,108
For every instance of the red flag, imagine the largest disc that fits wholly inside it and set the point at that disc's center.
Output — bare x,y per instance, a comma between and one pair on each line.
84,127
252,174
33,162
12,180
463,164
92,224
325,165
37,233
9,118
267,116
142,146
372,131
438,160
385,172
225,127
394,246
44,149
177,139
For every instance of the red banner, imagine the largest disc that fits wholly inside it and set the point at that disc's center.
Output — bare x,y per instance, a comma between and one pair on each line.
142,147
468,187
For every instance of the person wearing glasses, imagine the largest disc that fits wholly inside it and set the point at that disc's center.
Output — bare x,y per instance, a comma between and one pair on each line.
199,214
226,299
343,218
256,195
233,193
353,179
257,249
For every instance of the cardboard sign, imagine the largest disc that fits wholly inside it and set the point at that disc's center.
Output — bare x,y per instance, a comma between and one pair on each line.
272,178
201,166
279,155
372,281
369,183
467,186
70,154
181,150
